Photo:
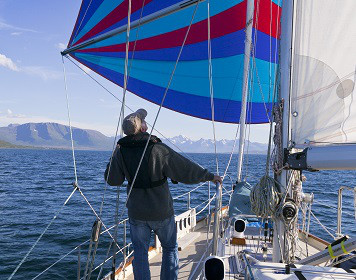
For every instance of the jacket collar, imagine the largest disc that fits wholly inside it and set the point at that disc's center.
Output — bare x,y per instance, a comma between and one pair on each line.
138,140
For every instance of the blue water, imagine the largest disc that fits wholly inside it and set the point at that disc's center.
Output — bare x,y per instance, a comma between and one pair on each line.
35,183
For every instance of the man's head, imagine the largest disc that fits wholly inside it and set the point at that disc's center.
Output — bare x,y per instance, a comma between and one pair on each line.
135,122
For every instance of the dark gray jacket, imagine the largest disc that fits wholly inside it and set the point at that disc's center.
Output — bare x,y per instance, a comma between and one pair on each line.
154,204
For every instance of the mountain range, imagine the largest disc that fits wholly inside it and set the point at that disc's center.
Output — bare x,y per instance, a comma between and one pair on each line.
54,135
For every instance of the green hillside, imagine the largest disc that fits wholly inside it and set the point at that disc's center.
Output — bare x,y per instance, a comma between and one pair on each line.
7,145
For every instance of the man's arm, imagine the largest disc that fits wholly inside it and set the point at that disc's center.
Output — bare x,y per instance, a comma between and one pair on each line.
181,169
116,176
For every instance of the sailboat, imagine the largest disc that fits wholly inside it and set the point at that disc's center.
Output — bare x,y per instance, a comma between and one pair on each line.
290,64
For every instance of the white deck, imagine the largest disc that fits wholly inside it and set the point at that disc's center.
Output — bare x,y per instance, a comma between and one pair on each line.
188,258
277,271
193,252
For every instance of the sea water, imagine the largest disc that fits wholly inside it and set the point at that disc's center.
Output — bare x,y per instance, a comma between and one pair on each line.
34,184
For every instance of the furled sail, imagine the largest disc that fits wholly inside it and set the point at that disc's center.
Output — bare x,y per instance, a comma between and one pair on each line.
324,63
154,48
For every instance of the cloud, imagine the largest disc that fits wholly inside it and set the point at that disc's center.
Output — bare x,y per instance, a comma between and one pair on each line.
5,26
11,115
42,72
61,46
38,71
8,63
16,33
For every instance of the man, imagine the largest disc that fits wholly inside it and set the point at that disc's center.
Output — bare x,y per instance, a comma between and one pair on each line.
150,204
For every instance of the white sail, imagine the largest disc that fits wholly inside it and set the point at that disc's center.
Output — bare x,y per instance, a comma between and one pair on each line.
324,61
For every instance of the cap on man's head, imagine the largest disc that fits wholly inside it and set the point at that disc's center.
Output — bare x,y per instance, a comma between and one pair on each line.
132,123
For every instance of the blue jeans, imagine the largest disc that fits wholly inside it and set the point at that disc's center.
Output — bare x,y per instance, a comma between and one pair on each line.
166,232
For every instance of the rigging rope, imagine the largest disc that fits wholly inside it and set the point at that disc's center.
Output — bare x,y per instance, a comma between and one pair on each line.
113,95
61,258
122,108
122,115
39,238
70,123
324,227
96,214
81,22
136,38
211,89
127,74
210,77
126,64
116,230
251,90
160,107
232,152
106,230
76,181
75,175
110,163
106,259
248,117
71,251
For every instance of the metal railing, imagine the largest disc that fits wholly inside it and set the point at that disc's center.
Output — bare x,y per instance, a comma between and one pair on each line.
218,206
125,251
339,207
188,203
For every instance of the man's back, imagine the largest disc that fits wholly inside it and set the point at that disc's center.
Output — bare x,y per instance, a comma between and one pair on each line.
150,198
150,204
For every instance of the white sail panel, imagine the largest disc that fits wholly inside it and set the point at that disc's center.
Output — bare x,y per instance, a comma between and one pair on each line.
323,109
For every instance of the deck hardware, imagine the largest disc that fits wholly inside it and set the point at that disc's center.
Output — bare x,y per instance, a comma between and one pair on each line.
188,201
124,251
271,234
214,268
96,231
289,211
296,161
264,252
239,228
266,231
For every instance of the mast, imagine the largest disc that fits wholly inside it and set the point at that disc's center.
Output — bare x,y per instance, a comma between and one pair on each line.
151,17
285,89
248,43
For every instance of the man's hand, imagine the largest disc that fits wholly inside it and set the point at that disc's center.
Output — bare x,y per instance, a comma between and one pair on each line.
217,179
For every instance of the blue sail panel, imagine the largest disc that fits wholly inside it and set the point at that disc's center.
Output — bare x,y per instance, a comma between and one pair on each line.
154,48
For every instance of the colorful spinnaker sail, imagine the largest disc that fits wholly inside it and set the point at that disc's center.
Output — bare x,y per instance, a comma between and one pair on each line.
154,48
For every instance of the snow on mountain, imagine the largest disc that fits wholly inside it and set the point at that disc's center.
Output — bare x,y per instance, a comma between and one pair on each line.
183,143
57,135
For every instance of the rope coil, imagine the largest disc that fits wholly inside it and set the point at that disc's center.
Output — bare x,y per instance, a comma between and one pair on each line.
265,197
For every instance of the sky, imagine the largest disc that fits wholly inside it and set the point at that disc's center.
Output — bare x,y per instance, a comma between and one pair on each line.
32,87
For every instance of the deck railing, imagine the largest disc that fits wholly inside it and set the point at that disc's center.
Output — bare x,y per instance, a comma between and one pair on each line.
125,251
185,221
339,207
